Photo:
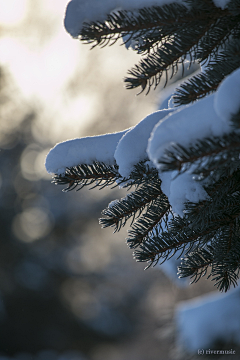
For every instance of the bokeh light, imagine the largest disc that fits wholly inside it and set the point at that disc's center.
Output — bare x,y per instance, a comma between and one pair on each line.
32,224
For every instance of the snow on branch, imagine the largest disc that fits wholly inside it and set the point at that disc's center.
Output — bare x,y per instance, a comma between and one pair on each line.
153,138
226,102
166,31
184,126
183,161
133,145
83,151
79,11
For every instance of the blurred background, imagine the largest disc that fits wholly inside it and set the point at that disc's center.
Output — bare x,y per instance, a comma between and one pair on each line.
68,289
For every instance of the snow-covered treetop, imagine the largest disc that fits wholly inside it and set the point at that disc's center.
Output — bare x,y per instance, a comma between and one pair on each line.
183,161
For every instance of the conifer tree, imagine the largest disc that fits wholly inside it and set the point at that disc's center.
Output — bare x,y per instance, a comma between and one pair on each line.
200,167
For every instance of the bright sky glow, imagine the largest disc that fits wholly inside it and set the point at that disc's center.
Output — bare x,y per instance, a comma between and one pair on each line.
12,12
32,224
42,73
57,75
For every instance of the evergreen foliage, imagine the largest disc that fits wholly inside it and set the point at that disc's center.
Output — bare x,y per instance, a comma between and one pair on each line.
208,234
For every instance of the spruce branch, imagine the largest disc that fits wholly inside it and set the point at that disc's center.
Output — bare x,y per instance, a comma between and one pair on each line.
196,264
102,175
149,222
222,64
195,88
223,256
153,23
149,25
171,31
217,36
226,262
205,156
233,6
117,214
193,231
208,233
225,278
171,53
180,236
226,243
222,207
201,41
142,173
82,175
